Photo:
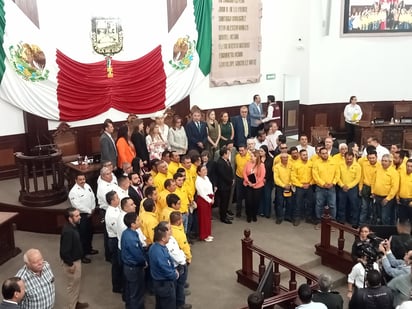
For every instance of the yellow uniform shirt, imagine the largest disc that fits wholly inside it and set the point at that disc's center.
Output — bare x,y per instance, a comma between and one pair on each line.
386,182
165,214
338,158
240,162
301,174
148,223
178,233
315,159
368,173
159,181
189,184
276,160
405,184
172,169
161,202
281,174
349,175
184,199
324,172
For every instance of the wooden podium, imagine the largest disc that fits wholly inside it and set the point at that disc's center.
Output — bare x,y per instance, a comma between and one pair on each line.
7,246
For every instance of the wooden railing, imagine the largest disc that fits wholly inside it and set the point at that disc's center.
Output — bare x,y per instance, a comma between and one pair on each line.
250,278
35,173
335,256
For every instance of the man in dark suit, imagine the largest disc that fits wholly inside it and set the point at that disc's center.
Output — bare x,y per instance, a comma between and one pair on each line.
241,126
224,183
135,192
329,146
196,133
331,299
13,291
107,145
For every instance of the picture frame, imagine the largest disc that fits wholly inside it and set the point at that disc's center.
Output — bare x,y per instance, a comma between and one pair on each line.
376,17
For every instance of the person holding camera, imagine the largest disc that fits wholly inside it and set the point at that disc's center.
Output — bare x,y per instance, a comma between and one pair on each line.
374,296
366,263
394,267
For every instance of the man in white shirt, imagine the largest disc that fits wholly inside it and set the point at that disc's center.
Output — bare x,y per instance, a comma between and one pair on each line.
82,198
112,214
305,297
303,144
380,150
260,139
272,135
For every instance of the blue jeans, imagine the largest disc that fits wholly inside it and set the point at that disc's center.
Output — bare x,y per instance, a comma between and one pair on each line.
383,215
185,218
134,287
265,206
325,197
348,201
283,205
366,205
304,204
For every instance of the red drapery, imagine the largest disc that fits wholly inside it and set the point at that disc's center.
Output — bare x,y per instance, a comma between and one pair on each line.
84,90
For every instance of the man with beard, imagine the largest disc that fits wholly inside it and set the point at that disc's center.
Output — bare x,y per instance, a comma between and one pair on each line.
135,191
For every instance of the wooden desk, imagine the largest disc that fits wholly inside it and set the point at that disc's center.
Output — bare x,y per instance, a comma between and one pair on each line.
387,133
7,245
92,172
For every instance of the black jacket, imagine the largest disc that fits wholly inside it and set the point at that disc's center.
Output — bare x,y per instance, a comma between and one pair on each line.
70,244
224,175
332,299
380,297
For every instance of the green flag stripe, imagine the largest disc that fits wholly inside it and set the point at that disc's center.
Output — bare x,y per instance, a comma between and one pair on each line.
2,27
203,18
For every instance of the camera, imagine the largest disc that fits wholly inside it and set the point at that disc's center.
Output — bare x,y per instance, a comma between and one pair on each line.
370,249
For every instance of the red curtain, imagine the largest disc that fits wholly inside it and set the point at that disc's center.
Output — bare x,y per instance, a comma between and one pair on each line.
84,90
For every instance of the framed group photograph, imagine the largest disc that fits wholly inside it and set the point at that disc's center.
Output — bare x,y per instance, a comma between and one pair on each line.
377,17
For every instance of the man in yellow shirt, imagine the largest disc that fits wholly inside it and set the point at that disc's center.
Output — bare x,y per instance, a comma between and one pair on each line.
170,187
161,175
283,197
384,189
179,234
368,168
184,198
325,176
301,177
173,204
149,220
241,158
173,165
189,183
405,193
348,195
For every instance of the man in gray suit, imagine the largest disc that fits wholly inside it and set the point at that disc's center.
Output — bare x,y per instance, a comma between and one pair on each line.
107,145
13,291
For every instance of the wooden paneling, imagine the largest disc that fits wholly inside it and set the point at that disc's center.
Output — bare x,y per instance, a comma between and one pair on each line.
291,117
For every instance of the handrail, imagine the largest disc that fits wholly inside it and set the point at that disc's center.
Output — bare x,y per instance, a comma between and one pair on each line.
247,276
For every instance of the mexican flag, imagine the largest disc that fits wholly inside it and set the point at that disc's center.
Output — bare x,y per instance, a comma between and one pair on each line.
79,60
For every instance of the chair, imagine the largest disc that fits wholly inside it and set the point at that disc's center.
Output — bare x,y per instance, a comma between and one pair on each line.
318,134
66,141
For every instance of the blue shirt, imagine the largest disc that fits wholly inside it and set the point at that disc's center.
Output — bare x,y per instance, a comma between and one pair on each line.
161,264
132,251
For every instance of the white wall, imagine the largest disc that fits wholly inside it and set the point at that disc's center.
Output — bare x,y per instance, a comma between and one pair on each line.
324,68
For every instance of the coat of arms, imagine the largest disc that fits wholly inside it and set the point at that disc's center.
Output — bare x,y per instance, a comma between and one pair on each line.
107,39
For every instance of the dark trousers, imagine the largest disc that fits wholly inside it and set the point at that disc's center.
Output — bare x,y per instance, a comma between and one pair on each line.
165,292
405,211
224,196
134,287
86,232
265,206
252,201
366,205
283,205
304,204
102,214
383,214
350,132
116,267
240,194
180,285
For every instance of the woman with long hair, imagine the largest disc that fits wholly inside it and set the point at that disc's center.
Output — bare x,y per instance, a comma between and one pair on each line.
213,133
226,129
138,139
204,201
125,148
266,200
360,239
253,179
155,143
177,136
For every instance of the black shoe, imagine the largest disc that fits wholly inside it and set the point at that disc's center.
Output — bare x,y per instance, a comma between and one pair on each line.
254,219
230,213
355,226
93,252
187,284
279,221
296,222
118,291
238,214
86,260
227,221
249,220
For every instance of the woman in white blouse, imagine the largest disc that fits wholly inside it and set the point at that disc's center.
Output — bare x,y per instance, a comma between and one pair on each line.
177,136
204,201
155,143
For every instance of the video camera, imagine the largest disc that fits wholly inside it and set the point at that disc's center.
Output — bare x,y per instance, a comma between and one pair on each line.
370,249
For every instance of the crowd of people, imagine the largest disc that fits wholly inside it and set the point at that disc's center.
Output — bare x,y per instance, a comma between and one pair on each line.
157,186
